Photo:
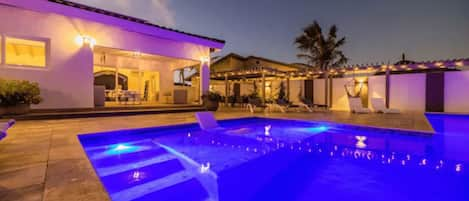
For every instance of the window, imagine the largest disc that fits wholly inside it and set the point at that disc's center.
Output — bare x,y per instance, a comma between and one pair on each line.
25,52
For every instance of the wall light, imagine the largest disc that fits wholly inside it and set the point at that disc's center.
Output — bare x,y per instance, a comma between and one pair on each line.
136,53
85,40
204,59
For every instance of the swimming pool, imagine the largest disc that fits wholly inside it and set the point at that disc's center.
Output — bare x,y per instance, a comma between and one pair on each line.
274,159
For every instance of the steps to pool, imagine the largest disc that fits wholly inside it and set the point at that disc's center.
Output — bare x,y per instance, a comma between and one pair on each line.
145,171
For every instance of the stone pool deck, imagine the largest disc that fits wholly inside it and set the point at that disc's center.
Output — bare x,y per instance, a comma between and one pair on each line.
43,159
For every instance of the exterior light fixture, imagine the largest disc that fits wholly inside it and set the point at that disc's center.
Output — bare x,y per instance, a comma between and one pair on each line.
137,53
204,59
85,40
422,66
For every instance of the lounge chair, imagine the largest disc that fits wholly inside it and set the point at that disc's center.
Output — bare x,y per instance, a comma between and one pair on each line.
378,106
256,103
207,122
356,106
4,127
281,105
306,104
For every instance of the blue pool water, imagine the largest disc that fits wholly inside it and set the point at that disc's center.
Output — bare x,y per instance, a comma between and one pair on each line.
273,159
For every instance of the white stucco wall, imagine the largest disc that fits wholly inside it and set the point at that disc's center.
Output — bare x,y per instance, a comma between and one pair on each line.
67,81
296,88
376,87
339,95
456,92
408,92
318,90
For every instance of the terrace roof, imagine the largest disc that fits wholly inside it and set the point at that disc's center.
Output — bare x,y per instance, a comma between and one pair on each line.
256,72
128,18
72,9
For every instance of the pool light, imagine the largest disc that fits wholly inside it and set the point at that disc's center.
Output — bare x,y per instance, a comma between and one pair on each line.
360,141
458,167
318,129
267,130
204,168
121,148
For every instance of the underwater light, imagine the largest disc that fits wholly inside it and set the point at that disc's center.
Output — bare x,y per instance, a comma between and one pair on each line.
360,141
204,168
458,167
121,148
317,129
267,130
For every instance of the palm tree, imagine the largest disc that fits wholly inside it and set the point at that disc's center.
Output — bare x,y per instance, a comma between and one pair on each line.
321,52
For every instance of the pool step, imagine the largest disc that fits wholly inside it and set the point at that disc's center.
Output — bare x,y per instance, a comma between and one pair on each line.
159,173
191,189
151,172
106,171
174,183
106,160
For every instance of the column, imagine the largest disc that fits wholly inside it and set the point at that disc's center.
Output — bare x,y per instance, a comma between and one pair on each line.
326,94
227,89
204,77
388,85
116,83
288,88
263,87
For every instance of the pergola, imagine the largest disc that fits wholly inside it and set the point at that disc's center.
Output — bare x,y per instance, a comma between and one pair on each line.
256,73
262,73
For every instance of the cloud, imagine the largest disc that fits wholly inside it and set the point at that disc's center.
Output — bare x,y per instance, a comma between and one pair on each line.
155,11
164,13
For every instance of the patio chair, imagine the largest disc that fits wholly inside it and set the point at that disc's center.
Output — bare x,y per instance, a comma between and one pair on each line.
207,122
280,105
378,106
355,105
4,127
256,103
306,104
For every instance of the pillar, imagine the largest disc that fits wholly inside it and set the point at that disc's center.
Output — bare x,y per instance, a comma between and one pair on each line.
204,76
263,86
326,94
388,85
288,88
227,89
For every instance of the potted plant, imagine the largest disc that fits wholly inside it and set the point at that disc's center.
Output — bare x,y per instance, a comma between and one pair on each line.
211,101
16,96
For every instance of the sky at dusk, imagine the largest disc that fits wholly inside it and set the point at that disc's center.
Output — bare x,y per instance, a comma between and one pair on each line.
376,30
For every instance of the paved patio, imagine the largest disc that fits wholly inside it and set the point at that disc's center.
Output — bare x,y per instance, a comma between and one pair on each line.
43,159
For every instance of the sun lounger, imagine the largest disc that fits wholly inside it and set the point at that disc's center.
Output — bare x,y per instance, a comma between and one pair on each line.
207,122
304,106
4,127
356,106
256,103
378,106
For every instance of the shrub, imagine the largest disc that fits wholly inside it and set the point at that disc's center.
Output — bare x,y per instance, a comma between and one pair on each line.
15,92
212,96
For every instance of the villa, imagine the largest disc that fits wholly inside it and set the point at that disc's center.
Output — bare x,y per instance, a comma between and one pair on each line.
68,48
107,123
